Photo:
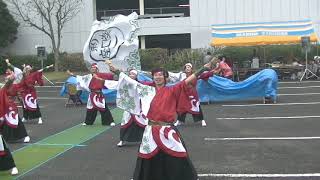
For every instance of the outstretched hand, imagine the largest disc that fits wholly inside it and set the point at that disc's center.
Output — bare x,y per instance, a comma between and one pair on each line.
47,67
7,61
69,72
108,61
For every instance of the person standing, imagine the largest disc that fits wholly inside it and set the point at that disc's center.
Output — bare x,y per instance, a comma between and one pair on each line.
94,83
6,159
11,126
132,126
31,78
207,58
162,153
197,114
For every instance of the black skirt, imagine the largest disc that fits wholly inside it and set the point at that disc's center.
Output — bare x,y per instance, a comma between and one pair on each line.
14,134
132,133
6,161
106,116
27,114
196,117
164,167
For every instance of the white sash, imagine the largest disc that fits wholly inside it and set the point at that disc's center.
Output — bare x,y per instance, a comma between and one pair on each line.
12,118
94,101
161,137
30,102
141,120
1,145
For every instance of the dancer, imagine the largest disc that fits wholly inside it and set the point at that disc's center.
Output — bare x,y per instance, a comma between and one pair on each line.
132,126
197,114
11,126
94,83
162,153
6,159
31,109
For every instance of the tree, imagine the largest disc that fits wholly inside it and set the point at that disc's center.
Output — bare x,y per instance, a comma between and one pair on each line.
9,26
49,17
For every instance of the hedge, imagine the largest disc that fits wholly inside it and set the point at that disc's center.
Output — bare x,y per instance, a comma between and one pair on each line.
174,59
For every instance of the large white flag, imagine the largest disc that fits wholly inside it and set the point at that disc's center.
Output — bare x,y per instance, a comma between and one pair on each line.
115,39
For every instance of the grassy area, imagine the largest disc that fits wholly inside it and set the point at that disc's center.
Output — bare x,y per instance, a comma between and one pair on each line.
60,76
52,76
56,76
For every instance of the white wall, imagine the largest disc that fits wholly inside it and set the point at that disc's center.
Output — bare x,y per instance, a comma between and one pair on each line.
75,33
177,25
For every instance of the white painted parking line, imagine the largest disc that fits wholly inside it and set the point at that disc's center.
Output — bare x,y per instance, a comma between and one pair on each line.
261,138
39,106
278,104
280,117
299,94
305,87
298,82
260,175
53,98
49,86
57,91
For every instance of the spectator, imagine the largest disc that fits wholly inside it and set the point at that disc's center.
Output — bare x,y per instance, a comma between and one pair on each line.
222,68
207,58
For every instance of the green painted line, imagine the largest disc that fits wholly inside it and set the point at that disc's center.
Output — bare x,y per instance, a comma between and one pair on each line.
75,145
34,155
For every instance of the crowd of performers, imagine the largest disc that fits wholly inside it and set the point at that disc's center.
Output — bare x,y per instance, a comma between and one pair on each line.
19,88
149,117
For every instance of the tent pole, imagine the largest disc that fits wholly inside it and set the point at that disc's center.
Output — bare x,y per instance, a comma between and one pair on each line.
264,56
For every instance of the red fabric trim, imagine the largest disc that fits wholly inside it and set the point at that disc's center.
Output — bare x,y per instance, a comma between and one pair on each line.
100,96
11,125
4,102
150,155
156,137
125,126
205,76
3,153
138,123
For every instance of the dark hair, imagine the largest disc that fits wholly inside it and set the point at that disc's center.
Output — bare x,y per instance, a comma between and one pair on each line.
208,53
221,57
165,72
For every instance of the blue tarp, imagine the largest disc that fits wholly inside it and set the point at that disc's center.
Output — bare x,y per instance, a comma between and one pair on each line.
215,89
262,84
109,94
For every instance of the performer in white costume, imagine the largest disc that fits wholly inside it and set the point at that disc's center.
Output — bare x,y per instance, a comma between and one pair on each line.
162,153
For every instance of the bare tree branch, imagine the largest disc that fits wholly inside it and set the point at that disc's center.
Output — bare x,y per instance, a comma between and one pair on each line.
48,16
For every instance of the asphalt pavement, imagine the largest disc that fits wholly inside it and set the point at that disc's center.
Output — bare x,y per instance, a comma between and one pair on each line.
242,140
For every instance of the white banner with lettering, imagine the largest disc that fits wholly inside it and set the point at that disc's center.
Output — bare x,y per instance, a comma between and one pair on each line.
114,38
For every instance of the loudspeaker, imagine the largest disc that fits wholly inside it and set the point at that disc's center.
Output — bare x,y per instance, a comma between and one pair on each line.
305,41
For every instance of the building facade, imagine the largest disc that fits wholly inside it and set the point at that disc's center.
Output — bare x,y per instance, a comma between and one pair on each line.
197,24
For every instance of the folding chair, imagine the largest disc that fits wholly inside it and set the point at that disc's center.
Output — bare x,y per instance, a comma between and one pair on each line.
74,95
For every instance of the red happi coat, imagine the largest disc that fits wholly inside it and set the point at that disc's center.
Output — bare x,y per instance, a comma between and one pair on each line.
11,117
28,91
194,98
4,102
164,107
168,101
96,99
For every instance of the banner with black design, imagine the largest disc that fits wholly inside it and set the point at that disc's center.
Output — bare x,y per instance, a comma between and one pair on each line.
116,39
